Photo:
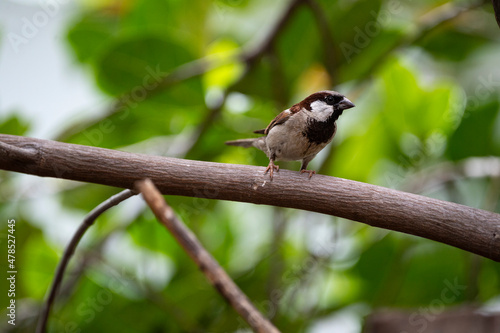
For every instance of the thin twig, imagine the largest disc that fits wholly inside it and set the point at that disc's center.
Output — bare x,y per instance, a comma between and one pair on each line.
196,68
428,23
70,249
431,21
329,45
184,72
193,69
250,58
206,123
207,264
87,258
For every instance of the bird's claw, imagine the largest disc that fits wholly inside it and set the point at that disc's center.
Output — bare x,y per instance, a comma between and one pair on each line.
310,172
271,167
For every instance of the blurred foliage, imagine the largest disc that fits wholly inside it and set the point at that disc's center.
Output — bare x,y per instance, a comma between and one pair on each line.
426,120
13,125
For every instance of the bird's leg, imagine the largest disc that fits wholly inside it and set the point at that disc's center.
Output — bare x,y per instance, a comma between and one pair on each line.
310,172
271,167
303,167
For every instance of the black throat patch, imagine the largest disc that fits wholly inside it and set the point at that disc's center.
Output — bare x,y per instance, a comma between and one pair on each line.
319,132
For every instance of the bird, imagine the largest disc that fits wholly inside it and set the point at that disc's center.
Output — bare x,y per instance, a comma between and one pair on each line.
300,132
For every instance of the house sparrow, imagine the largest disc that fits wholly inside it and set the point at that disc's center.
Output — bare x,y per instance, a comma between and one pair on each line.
300,132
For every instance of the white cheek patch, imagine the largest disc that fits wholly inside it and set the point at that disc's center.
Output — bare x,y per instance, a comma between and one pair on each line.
320,110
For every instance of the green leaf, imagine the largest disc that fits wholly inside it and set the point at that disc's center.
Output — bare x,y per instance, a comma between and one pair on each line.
375,266
14,125
138,64
433,269
477,133
409,106
87,196
91,34
360,60
223,50
351,17
37,266
166,113
358,155
181,21
294,60
147,232
354,26
488,279
453,45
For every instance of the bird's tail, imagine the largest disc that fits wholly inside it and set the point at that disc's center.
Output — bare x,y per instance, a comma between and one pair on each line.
247,143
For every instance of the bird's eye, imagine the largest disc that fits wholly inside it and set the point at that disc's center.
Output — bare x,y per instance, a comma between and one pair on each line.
333,99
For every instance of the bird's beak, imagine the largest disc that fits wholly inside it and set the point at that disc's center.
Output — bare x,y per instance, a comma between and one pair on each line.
346,104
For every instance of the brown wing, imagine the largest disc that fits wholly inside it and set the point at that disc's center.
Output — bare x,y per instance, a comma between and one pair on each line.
280,119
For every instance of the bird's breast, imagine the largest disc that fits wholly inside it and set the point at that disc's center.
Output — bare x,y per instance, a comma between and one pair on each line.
320,132
297,138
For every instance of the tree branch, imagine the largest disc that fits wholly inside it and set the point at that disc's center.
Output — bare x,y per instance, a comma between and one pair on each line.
15,153
329,46
70,249
496,8
428,23
470,229
207,264
250,58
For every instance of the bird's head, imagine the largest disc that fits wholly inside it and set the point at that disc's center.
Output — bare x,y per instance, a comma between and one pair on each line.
325,104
